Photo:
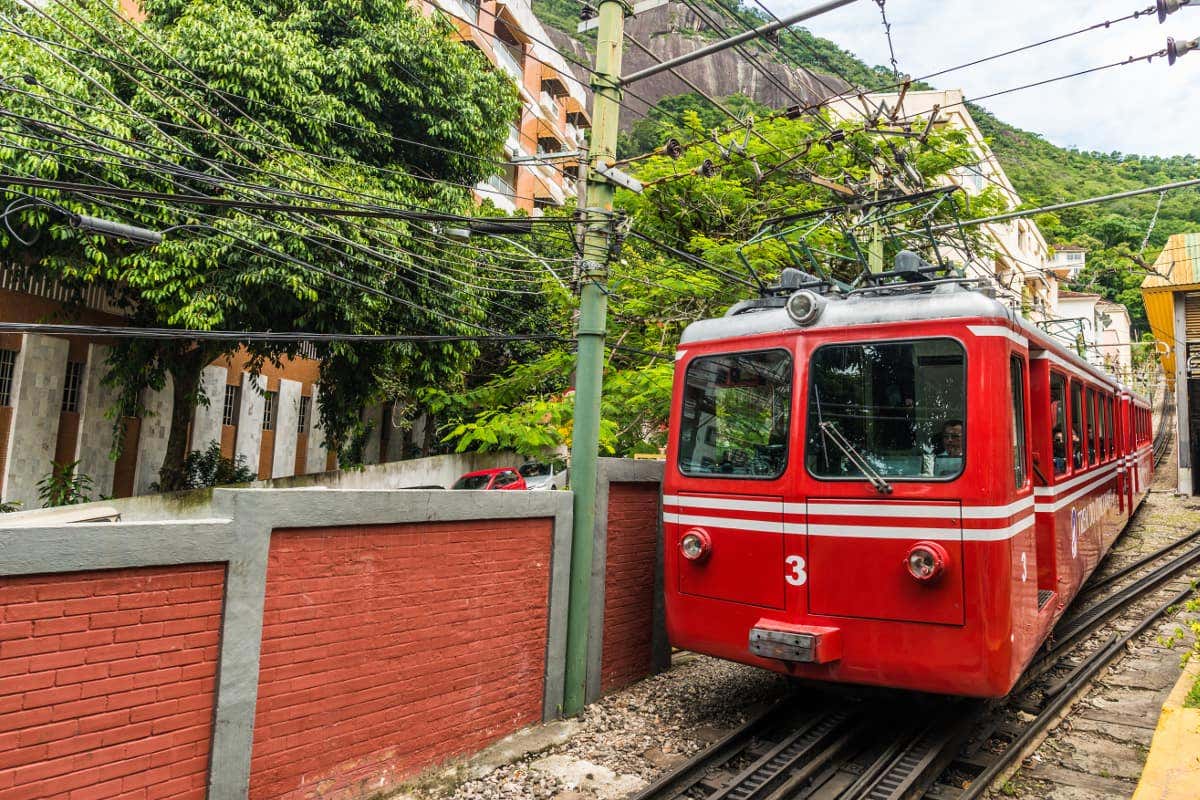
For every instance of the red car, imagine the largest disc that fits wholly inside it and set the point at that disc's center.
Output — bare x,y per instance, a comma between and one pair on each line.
498,478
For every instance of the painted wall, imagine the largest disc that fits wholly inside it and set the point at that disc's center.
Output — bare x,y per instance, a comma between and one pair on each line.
96,429
249,432
37,391
357,643
152,440
108,686
632,547
382,655
284,462
315,456
206,424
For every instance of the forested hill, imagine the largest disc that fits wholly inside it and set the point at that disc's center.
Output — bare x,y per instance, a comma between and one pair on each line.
1042,172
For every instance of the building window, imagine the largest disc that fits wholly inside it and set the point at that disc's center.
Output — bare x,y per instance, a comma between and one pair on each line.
270,410
233,403
8,361
70,400
302,417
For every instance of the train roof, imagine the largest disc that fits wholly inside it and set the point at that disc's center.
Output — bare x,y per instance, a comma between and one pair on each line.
905,303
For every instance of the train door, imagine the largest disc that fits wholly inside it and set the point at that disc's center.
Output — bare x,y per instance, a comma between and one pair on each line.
1022,485
1047,397
723,512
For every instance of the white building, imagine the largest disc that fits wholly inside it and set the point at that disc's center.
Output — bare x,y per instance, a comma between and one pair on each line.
1104,327
1017,257
1068,261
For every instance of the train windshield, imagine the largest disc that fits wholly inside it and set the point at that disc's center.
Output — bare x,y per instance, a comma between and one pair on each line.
735,415
897,408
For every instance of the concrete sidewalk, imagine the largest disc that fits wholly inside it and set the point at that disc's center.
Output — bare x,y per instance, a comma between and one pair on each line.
1172,769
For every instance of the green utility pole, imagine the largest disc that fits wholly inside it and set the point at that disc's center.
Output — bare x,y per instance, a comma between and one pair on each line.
589,364
593,300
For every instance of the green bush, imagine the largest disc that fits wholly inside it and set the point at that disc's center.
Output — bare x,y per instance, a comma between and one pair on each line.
205,468
62,486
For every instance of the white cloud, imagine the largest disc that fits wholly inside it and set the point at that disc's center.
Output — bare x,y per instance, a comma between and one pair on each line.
1141,108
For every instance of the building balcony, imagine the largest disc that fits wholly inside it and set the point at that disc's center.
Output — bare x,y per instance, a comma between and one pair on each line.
463,9
512,144
550,105
499,191
510,59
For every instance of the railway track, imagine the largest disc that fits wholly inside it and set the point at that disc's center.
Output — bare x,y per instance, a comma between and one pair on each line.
884,745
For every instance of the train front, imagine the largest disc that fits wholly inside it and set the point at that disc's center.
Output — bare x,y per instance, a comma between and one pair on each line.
844,498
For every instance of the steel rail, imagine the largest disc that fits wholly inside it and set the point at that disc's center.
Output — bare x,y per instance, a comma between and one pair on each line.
1094,663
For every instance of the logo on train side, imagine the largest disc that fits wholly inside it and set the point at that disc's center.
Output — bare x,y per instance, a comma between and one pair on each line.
1082,519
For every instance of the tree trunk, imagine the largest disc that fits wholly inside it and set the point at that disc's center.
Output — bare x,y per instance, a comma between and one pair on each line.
185,368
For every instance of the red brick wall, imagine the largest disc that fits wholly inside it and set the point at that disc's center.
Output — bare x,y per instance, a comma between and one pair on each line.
629,584
387,649
106,683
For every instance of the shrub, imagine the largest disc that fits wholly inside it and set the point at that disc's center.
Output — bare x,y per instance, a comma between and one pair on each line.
205,468
62,486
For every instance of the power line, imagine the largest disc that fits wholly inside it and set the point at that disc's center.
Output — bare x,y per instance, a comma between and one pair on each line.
121,332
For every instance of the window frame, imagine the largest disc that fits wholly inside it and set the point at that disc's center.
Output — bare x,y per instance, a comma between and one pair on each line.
1076,391
232,411
1089,407
72,394
1066,422
1017,372
787,442
8,374
270,419
966,353
304,408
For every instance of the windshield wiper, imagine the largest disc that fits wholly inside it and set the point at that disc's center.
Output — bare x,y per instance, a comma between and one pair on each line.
856,458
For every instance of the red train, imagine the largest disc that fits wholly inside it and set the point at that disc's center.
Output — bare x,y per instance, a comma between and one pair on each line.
904,486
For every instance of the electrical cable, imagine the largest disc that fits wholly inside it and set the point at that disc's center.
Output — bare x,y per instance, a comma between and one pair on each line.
130,332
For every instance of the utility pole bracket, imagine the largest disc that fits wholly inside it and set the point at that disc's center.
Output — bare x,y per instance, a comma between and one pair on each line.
617,177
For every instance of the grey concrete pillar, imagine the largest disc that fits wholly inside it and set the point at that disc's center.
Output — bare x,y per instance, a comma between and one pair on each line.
314,459
95,426
206,425
41,368
152,442
284,463
373,417
249,432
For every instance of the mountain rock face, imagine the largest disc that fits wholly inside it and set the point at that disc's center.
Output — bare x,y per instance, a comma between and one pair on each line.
673,30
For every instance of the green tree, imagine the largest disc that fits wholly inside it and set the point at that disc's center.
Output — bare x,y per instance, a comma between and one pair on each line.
250,100
654,296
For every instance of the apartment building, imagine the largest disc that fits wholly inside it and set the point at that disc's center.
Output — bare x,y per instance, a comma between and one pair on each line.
1017,258
553,117
1068,261
54,406
1101,326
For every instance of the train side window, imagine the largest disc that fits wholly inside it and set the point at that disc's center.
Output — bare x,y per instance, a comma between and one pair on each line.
1092,433
1058,412
1016,372
1076,425
736,415
1110,432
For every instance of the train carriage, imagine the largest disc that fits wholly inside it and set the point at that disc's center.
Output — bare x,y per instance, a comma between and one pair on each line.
902,486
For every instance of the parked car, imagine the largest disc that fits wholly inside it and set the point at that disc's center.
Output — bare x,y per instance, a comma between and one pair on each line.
498,478
544,475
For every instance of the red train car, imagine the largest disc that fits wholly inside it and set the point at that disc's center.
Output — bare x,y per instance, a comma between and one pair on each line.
903,486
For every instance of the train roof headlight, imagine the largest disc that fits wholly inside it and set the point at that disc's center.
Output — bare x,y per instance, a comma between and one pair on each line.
925,561
804,307
695,545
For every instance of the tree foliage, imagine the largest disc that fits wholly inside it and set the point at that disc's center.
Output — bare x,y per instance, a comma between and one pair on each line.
655,295
347,101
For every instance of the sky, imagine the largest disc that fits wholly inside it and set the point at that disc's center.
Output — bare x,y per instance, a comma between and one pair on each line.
1148,109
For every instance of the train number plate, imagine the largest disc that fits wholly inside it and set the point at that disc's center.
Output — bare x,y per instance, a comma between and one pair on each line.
783,645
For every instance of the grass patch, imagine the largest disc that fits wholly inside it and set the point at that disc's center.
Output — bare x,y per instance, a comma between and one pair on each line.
1193,697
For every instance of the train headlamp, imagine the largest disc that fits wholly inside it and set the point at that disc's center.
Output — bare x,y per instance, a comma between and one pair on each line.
926,561
695,545
804,307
